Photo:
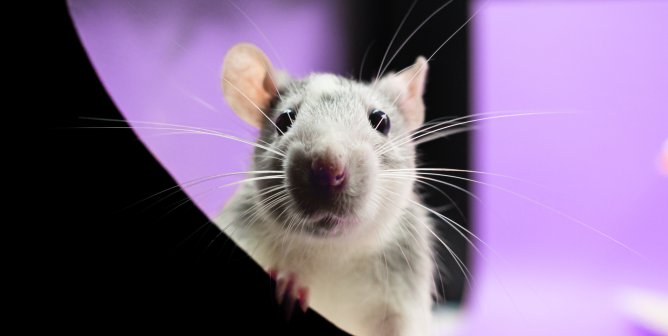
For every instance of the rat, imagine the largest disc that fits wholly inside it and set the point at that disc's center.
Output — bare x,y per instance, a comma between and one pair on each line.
319,214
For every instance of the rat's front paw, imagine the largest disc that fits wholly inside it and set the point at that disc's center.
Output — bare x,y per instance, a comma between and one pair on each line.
289,291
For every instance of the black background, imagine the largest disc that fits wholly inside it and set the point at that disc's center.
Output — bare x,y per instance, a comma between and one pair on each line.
103,266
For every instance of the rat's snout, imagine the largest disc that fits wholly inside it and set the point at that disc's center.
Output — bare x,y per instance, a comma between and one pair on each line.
328,172
327,177
328,169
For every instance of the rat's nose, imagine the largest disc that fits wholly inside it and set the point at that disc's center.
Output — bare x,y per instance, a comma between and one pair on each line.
328,172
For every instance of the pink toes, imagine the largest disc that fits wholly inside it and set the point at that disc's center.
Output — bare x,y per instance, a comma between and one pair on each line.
289,292
303,297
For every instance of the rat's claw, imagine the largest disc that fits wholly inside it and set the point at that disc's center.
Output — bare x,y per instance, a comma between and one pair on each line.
289,292
303,297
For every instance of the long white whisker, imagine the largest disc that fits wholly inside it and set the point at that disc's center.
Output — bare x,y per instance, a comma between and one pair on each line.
396,32
271,177
266,39
412,176
441,46
366,53
444,134
551,209
391,144
216,134
196,181
480,119
457,227
415,178
465,271
463,171
409,135
178,126
252,103
411,35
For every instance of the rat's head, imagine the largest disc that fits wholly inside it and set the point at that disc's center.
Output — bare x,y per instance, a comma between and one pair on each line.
333,139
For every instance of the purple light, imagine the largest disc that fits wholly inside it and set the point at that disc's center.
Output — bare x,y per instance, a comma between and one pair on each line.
161,60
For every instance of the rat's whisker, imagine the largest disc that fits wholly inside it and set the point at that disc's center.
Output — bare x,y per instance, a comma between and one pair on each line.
439,135
204,225
192,198
199,100
549,208
260,197
216,134
465,171
415,178
271,177
457,227
411,36
179,126
366,53
460,263
431,255
253,211
188,199
197,181
482,256
444,134
443,121
442,45
410,134
396,32
250,216
406,228
266,39
478,120
408,263
252,103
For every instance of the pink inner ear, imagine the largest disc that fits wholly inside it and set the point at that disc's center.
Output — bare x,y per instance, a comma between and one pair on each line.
162,64
246,70
269,84
410,85
416,78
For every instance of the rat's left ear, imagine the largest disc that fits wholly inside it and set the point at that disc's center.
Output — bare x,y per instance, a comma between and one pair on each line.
408,87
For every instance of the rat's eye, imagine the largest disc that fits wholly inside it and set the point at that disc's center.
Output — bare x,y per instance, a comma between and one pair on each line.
380,121
285,120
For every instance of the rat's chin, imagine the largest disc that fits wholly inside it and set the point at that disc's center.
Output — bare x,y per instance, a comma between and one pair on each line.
330,225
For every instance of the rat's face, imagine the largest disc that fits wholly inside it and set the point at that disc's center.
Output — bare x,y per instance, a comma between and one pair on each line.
337,136
332,139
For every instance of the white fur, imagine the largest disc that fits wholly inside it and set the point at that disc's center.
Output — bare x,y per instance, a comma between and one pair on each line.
349,284
323,84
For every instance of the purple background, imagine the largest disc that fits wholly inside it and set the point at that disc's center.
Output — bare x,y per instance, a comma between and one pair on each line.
161,62
607,63
604,61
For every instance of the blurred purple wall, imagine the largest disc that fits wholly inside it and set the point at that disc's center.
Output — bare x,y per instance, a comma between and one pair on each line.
607,62
161,60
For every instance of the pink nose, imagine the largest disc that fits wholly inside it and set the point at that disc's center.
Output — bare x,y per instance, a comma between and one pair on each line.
328,173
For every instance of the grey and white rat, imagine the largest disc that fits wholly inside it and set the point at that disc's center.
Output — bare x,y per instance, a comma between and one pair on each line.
319,214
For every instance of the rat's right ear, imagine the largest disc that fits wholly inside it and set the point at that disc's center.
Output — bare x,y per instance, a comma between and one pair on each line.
248,82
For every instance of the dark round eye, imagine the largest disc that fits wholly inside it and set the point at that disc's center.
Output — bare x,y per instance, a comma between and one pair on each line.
285,120
380,121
